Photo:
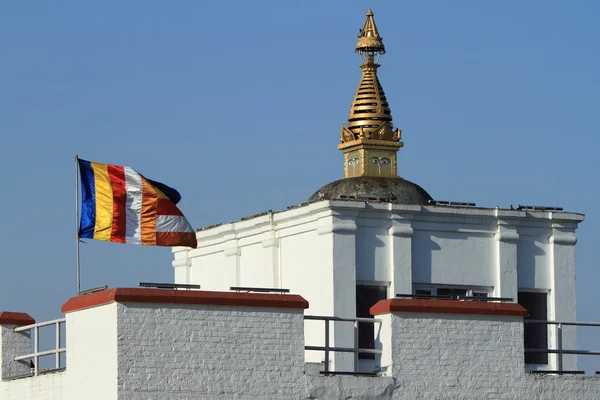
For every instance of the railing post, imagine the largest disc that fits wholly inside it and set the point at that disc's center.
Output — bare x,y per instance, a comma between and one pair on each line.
326,345
36,350
57,345
559,345
356,345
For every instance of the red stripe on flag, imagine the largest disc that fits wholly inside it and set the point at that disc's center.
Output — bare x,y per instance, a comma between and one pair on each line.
117,180
176,239
167,207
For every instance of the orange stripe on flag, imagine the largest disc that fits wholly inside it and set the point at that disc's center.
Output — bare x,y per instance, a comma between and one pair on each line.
149,207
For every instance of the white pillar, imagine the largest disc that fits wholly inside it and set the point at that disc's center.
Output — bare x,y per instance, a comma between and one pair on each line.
401,234
562,299
342,229
507,238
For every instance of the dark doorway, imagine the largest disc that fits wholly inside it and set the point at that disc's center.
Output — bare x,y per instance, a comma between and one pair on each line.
535,335
366,297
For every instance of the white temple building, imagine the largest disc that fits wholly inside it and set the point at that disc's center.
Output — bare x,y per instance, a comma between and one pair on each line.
373,234
371,289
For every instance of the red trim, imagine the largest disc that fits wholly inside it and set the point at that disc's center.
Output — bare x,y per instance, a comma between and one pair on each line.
176,239
15,318
137,295
448,307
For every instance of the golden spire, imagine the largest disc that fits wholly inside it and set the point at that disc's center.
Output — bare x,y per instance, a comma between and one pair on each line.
369,141
368,38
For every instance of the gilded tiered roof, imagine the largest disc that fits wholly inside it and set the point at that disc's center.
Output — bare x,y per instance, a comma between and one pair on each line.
370,116
369,142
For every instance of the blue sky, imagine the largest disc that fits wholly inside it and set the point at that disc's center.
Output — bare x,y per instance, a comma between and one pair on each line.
238,105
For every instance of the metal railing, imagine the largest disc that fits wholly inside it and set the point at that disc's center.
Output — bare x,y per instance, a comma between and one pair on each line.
327,348
35,356
558,350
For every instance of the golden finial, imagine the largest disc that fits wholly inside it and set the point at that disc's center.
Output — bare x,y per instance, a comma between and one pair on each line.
369,40
369,135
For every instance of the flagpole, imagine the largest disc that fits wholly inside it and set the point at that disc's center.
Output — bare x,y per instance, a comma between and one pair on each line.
77,221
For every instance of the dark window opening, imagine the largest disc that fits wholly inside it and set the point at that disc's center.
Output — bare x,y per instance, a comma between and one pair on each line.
535,336
366,297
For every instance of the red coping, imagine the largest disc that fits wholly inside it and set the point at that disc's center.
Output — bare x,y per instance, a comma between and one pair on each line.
15,318
448,307
138,295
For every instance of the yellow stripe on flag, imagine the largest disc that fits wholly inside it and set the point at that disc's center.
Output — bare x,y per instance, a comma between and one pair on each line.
104,202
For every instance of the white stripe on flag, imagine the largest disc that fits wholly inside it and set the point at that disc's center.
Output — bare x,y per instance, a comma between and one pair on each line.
133,185
172,223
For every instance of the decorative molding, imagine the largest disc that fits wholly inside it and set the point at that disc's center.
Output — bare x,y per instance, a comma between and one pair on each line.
232,251
507,236
401,230
270,242
337,227
182,262
568,239
375,142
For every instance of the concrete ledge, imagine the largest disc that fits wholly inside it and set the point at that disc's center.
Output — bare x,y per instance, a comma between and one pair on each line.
135,295
448,307
15,318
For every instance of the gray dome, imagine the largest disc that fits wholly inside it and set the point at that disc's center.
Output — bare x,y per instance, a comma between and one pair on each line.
394,189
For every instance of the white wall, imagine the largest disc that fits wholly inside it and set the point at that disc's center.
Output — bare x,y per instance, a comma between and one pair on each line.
43,387
92,353
320,250
453,258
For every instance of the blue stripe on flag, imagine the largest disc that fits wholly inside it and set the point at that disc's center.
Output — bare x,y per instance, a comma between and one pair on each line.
87,220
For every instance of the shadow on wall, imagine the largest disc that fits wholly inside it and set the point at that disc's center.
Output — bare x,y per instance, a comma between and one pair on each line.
367,247
528,249
422,259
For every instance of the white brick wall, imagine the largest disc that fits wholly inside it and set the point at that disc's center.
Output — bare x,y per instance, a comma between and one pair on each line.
444,356
207,352
13,344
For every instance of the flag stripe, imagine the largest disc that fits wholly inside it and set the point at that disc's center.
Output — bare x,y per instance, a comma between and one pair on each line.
87,218
148,220
133,207
104,202
117,180
166,207
172,223
176,239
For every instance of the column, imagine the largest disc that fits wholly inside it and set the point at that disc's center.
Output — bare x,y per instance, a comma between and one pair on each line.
401,234
343,235
562,298
507,238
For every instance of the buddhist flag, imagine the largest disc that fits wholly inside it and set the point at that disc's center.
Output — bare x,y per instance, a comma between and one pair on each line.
120,205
